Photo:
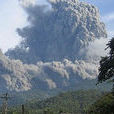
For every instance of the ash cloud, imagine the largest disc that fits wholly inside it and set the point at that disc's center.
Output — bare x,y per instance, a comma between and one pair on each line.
96,49
59,33
17,76
49,55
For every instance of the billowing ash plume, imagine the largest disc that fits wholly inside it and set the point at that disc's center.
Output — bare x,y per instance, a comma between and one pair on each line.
56,44
59,33
16,76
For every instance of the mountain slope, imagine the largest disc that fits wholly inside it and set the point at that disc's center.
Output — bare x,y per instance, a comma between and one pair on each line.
105,105
76,102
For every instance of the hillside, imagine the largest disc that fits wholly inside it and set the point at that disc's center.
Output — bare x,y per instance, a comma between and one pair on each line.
76,102
105,105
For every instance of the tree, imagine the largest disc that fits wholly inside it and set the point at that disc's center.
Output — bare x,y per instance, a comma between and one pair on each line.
106,69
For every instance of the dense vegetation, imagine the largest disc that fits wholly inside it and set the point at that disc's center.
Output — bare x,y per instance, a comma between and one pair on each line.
106,73
106,70
76,102
104,105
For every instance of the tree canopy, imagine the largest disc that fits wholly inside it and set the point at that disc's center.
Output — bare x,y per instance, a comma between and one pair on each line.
106,70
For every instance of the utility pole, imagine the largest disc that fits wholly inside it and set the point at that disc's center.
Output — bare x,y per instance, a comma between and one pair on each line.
23,109
5,98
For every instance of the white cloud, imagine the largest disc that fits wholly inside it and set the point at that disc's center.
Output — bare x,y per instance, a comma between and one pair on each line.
26,3
96,49
111,33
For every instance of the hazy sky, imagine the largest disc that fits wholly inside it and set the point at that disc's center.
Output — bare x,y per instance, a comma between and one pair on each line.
13,16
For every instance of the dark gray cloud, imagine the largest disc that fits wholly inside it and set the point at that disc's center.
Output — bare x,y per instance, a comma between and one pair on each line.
17,76
58,33
51,47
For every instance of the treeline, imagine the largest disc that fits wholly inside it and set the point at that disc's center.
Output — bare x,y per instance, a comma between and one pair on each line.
105,105
77,102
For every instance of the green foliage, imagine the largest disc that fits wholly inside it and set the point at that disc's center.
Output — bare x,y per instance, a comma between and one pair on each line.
105,105
106,70
69,103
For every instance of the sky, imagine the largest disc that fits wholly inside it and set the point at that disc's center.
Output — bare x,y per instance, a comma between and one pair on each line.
106,9
12,16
